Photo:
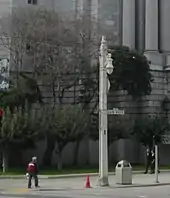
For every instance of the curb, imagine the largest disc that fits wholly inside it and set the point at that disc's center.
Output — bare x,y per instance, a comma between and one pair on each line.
143,185
68,175
92,174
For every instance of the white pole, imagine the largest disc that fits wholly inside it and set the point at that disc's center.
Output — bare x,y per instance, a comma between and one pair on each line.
103,143
156,164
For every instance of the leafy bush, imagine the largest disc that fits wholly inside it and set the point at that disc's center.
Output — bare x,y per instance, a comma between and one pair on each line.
21,128
151,130
131,72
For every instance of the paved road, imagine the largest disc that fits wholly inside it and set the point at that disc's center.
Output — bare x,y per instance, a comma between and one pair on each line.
142,192
74,188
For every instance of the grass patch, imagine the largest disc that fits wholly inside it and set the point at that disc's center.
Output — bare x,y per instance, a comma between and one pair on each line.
70,170
14,171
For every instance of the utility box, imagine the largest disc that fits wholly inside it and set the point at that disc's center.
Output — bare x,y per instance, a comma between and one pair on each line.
123,173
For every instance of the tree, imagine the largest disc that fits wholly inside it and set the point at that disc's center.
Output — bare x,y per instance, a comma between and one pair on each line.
57,49
79,128
131,72
27,91
150,130
21,126
116,129
60,51
56,46
89,83
65,125
88,100
23,85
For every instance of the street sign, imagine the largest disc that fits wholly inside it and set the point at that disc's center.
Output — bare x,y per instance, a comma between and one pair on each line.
116,111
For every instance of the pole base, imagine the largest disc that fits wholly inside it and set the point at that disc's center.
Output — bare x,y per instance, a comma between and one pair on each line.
103,182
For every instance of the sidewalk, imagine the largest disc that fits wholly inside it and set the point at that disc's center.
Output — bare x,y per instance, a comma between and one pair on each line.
75,187
141,180
138,180
70,175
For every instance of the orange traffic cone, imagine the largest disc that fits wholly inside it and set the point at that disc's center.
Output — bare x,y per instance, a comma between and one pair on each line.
87,185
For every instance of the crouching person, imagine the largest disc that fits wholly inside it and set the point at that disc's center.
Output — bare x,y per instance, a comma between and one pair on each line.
32,170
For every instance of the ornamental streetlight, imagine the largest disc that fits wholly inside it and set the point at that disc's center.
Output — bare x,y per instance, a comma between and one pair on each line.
106,67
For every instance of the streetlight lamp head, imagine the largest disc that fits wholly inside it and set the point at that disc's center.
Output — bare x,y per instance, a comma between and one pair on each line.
109,66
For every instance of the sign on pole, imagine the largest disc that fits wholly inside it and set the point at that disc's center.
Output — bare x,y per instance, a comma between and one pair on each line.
116,111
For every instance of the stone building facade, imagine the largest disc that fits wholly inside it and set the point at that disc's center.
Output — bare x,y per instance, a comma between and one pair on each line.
145,28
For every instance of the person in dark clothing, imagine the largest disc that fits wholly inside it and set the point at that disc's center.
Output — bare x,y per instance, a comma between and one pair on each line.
153,163
32,170
148,160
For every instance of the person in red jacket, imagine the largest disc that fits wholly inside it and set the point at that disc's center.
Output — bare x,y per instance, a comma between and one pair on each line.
32,170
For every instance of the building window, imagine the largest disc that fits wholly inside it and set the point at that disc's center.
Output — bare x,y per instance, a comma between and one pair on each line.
33,2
